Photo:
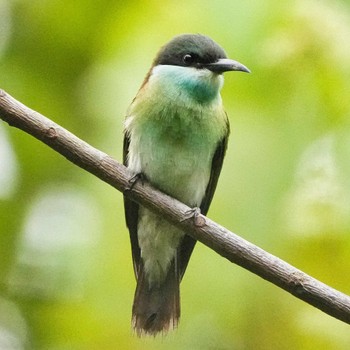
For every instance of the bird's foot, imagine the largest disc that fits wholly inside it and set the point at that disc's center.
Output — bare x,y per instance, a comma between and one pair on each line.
194,213
134,179
191,213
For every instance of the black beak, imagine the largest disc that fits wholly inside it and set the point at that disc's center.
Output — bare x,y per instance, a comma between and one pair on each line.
226,65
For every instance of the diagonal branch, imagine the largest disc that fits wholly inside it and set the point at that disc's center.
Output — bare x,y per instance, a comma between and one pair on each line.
216,237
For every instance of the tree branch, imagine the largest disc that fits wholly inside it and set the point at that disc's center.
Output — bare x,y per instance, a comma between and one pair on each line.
216,237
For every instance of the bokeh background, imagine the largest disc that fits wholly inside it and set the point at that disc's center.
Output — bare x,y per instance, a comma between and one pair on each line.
66,279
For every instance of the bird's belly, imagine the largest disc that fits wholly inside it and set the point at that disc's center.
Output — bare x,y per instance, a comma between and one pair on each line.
179,170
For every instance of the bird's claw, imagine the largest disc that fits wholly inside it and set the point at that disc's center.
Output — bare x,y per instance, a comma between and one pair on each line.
194,213
191,213
134,179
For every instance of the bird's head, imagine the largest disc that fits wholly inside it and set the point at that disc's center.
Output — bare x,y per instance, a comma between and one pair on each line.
192,65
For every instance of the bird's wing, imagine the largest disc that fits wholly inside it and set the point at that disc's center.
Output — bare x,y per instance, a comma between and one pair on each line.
188,242
131,215
216,166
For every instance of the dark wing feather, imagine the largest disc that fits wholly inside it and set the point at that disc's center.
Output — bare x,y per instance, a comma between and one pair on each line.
188,242
131,215
216,166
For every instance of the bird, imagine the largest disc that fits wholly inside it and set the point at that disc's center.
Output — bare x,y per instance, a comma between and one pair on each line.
175,136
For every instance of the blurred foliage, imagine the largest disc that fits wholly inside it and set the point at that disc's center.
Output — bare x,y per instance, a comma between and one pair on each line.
67,279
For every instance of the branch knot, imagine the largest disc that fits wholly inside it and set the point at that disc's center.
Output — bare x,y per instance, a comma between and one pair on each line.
297,282
51,133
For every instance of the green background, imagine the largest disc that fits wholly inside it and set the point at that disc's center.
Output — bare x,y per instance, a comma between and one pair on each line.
66,277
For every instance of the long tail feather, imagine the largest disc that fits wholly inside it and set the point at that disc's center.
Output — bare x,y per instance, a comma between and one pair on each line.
156,308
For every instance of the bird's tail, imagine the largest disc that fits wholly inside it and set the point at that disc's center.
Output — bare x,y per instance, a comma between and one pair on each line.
156,308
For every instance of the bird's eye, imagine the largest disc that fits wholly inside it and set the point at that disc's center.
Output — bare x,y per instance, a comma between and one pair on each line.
188,59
